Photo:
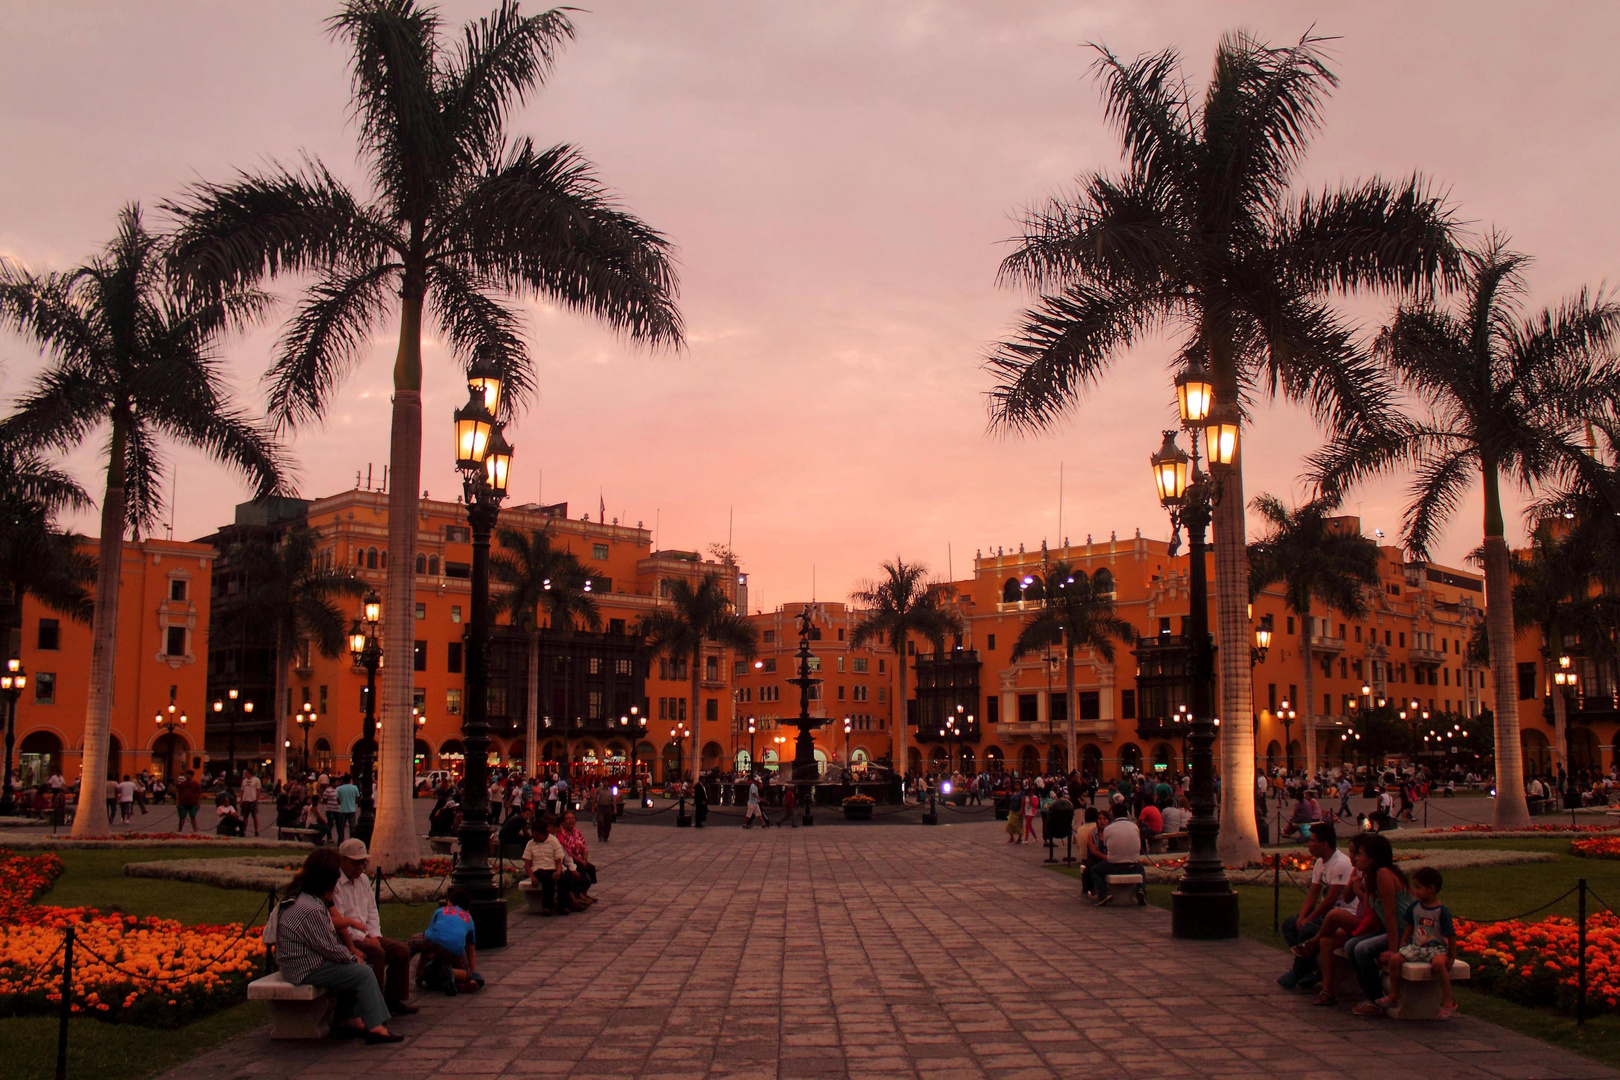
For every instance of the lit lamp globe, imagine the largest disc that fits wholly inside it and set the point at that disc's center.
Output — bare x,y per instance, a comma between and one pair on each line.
372,607
485,377
1221,436
474,423
1262,634
1170,472
497,462
1195,395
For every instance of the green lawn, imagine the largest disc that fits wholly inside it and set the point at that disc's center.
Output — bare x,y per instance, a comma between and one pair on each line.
96,879
1485,893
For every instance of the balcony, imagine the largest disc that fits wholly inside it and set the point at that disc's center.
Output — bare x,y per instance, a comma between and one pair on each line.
1325,643
1425,656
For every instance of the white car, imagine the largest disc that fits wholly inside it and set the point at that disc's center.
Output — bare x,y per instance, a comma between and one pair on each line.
428,783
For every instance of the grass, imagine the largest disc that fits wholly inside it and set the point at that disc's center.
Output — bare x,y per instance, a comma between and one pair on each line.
1485,893
95,878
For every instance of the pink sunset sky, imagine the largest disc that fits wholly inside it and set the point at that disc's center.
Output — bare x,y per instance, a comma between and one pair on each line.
840,179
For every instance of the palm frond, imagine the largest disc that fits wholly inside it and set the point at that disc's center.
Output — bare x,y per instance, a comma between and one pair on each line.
144,477
1146,101
325,339
1112,230
1394,238
479,326
1442,481
500,58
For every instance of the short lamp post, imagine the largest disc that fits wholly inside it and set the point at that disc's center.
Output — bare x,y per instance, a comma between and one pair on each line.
753,729
170,721
1203,907
305,718
1286,715
484,459
236,707
679,734
365,648
12,683
849,725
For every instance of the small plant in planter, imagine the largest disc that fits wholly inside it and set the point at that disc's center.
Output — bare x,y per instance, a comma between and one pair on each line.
859,807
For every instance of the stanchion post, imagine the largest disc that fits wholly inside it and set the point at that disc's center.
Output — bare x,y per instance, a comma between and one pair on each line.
271,910
1580,954
67,1003
1051,857
1276,889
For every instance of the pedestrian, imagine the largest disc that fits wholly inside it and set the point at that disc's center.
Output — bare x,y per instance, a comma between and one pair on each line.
605,806
249,799
126,799
787,808
112,799
187,798
348,808
1031,810
354,911
753,810
700,803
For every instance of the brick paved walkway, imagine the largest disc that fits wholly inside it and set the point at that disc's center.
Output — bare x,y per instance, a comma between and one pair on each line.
884,952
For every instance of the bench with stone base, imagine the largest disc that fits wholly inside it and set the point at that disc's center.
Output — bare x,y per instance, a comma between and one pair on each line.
308,835
531,896
1420,990
1178,841
1122,887
1162,843
442,845
296,1012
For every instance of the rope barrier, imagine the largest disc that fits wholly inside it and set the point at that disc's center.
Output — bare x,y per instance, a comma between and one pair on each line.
164,978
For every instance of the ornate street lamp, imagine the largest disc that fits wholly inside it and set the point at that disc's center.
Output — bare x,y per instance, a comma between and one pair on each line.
235,709
1262,641
12,684
1203,906
805,770
753,728
1286,716
170,721
849,725
484,459
365,648
305,718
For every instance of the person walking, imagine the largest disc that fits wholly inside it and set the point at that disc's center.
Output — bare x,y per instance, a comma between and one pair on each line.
604,806
787,808
249,799
754,810
700,803
187,798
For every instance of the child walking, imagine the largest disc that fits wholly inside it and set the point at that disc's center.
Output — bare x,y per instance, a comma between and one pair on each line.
1427,938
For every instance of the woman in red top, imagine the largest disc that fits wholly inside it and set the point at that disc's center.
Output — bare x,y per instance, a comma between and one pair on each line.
573,842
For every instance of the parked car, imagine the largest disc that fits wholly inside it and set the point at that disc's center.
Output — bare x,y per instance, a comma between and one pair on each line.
428,783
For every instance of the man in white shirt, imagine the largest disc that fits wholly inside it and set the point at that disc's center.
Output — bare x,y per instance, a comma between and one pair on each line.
1330,888
126,799
1177,816
250,801
1122,843
354,911
754,810
548,865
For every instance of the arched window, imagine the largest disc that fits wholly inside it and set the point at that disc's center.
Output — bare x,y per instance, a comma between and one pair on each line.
421,564
371,558
359,557
1010,592
385,559
1102,581
433,565
1035,590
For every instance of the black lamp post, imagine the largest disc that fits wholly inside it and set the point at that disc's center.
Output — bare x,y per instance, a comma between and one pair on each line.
171,721
236,708
365,647
1287,715
12,684
483,458
1203,906
305,718
678,735
753,729
805,770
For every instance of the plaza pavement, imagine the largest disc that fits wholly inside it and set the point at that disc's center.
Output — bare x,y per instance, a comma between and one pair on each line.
882,952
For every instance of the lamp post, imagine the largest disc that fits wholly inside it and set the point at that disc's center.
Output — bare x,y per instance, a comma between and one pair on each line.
753,729
12,684
1203,906
365,647
849,725
484,459
305,718
1286,717
805,771
170,721
236,708
678,735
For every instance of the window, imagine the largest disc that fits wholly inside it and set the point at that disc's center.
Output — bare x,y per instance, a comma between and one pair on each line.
1327,704
456,534
44,688
457,569
1058,707
452,702
840,663
50,634
711,710
992,709
767,636
594,667
419,656
599,551
880,659
860,693
616,627
419,698
177,589
1029,709
1358,633
1090,704
421,564
1403,641
455,613
711,668
176,642
840,693
323,699
371,558
739,667
1527,681
453,660
883,693
840,633
860,665
1127,704
433,566
1445,644
1344,667
1271,698
815,663
1290,624
770,666
1386,638
421,611
990,645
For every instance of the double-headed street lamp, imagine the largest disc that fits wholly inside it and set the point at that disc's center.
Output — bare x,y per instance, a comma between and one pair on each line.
170,721
484,458
1286,715
753,729
237,708
1203,905
365,647
849,725
12,683
305,718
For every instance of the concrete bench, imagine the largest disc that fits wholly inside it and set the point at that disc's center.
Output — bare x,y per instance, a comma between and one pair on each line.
1420,990
1122,887
1178,841
308,835
531,896
296,1012
1157,844
442,845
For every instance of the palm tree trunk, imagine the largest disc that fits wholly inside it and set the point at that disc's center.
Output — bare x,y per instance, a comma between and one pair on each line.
394,841
1511,810
696,729
1309,717
90,816
1239,840
899,740
283,664
531,727
1068,707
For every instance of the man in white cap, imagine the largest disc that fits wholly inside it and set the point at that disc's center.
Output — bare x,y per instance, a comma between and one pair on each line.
354,905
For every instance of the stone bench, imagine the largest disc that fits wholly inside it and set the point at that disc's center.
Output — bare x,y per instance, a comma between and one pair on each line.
531,896
442,845
1122,887
1178,841
1420,990
285,832
296,1012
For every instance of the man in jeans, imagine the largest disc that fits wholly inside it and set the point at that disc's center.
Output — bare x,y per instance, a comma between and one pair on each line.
348,808
1122,843
1330,881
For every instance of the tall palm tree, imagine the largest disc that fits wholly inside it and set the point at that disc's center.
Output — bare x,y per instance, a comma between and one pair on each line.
130,352
901,603
1504,394
698,615
1076,615
1202,236
540,579
36,558
459,217
292,600
1316,561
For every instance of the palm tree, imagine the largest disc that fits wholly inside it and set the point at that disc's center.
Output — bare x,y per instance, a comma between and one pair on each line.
903,602
1316,560
540,578
1504,394
131,352
290,601
1201,236
1077,615
698,615
36,558
460,216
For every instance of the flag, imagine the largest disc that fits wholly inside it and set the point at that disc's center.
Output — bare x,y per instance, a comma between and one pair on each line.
601,510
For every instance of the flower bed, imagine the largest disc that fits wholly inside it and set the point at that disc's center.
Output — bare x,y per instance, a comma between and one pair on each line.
1596,847
1542,828
150,971
1535,963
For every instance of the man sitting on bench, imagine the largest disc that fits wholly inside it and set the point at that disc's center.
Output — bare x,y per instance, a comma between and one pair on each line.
1123,845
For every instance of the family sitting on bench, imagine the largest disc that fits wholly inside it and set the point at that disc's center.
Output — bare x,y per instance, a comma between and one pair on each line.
1114,848
558,864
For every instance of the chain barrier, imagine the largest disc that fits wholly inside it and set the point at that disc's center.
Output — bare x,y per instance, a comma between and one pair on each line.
383,881
165,978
